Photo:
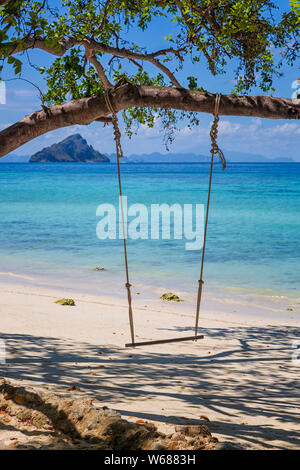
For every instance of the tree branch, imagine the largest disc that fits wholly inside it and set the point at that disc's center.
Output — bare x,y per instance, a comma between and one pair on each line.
123,96
133,55
100,70
94,46
191,27
39,43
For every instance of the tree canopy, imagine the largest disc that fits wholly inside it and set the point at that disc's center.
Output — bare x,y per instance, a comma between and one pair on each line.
94,49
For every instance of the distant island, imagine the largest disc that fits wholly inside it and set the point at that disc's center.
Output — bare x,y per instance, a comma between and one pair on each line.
76,149
72,149
231,157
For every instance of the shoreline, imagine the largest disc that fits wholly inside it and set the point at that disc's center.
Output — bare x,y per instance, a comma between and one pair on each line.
233,301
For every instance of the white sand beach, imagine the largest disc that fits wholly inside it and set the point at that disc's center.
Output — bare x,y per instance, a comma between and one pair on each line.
240,376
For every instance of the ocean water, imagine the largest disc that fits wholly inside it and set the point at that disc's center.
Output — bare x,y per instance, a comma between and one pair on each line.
48,226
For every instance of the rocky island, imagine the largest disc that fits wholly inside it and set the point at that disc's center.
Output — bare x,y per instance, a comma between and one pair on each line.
72,149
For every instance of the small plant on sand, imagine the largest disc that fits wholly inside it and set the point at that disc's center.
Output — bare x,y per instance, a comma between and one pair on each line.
65,302
170,297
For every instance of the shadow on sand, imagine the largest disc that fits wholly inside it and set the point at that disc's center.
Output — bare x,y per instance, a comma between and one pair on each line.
250,374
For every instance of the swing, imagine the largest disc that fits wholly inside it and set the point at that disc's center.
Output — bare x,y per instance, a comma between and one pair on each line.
215,150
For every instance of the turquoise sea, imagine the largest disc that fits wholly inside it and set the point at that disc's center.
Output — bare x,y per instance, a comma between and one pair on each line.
48,226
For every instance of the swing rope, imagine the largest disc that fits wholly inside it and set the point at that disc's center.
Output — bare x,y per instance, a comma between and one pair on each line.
119,152
215,150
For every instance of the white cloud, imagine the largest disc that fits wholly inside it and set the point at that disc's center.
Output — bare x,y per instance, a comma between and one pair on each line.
287,129
228,128
25,93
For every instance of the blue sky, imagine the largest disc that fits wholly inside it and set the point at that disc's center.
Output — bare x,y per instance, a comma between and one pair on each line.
271,138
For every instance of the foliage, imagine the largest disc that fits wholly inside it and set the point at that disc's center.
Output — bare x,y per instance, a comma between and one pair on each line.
69,78
251,34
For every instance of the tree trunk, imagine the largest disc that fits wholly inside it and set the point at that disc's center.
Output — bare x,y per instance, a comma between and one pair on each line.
86,110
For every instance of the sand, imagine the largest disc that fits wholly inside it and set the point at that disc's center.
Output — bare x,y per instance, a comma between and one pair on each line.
240,377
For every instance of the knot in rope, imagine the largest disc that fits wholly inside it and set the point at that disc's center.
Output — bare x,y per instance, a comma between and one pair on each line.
215,149
115,123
